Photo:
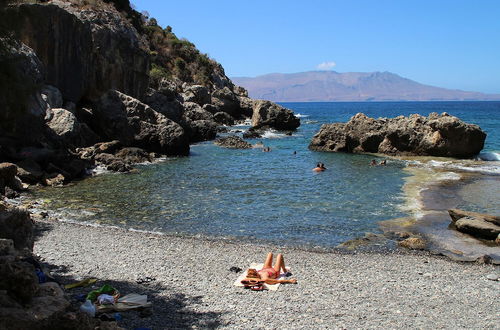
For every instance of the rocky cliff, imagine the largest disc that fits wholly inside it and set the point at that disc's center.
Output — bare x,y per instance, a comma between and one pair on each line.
436,135
86,72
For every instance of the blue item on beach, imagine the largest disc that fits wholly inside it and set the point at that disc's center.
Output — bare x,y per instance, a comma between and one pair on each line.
41,276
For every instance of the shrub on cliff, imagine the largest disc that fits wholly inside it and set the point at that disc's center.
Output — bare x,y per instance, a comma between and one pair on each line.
178,57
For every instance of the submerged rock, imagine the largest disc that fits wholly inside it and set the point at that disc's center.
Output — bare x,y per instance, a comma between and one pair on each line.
436,135
233,142
479,225
413,243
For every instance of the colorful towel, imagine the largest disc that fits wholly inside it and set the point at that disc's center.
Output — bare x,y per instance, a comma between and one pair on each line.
270,287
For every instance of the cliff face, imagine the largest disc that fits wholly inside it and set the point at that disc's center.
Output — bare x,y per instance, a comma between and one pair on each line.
85,52
81,55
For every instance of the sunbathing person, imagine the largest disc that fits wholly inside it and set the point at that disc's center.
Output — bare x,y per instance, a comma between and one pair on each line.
268,274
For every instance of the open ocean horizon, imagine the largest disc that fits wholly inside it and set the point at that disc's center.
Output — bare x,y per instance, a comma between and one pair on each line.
274,197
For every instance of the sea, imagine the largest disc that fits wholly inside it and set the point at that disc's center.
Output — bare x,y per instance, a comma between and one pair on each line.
275,197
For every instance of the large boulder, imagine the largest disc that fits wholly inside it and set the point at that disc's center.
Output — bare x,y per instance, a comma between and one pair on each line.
478,227
16,224
267,113
66,128
165,103
457,214
436,135
197,94
201,130
226,101
133,123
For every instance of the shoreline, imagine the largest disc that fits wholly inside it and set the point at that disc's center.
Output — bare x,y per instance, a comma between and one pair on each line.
193,285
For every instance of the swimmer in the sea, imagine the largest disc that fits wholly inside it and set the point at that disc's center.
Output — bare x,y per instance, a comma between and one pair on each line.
318,168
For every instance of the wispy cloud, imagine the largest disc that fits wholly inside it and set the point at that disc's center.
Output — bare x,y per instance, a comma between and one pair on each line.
326,65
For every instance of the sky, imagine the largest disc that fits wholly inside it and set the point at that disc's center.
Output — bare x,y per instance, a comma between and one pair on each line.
451,44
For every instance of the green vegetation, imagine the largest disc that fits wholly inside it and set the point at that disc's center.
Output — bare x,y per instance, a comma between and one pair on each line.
179,57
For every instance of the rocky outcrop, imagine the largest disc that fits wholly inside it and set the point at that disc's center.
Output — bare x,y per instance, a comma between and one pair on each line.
266,113
133,123
68,131
16,224
85,52
479,225
457,214
233,142
413,243
436,135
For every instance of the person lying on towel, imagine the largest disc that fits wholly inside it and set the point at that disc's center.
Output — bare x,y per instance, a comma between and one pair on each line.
268,274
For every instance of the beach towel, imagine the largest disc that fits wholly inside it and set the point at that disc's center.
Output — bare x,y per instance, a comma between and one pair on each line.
125,303
270,287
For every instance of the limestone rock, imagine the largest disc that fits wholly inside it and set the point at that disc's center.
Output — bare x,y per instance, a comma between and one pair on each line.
16,224
201,130
223,118
29,171
194,112
18,279
456,214
133,123
197,94
94,51
413,243
233,142
226,101
133,155
436,135
69,130
266,113
52,96
478,227
166,104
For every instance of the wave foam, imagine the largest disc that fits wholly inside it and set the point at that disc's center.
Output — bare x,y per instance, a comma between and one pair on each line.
489,156
299,115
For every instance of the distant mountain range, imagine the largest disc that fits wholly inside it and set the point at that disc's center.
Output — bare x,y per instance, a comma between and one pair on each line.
349,86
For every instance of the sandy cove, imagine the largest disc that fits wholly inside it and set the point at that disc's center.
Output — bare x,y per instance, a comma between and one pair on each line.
194,286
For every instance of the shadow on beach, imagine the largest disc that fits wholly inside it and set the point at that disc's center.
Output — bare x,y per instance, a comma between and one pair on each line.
169,309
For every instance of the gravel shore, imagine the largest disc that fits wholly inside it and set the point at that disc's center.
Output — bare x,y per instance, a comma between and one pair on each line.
193,286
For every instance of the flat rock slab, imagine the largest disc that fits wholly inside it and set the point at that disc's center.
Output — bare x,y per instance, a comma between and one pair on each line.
478,227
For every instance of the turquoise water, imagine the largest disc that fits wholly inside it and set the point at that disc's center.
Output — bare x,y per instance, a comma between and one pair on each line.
270,196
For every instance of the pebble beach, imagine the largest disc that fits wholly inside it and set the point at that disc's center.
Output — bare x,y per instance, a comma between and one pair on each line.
192,284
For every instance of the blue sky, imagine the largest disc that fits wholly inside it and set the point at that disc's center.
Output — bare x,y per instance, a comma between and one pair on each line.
452,44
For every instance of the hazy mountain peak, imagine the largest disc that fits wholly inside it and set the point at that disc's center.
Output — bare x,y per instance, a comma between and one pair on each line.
349,86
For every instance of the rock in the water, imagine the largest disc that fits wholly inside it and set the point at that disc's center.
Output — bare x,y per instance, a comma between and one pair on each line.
133,123
456,214
134,155
478,227
201,130
266,113
413,243
233,142
436,135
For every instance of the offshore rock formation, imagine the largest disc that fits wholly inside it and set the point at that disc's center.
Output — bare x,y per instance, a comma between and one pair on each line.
436,135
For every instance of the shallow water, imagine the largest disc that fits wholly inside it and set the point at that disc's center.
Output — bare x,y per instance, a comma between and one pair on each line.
274,196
